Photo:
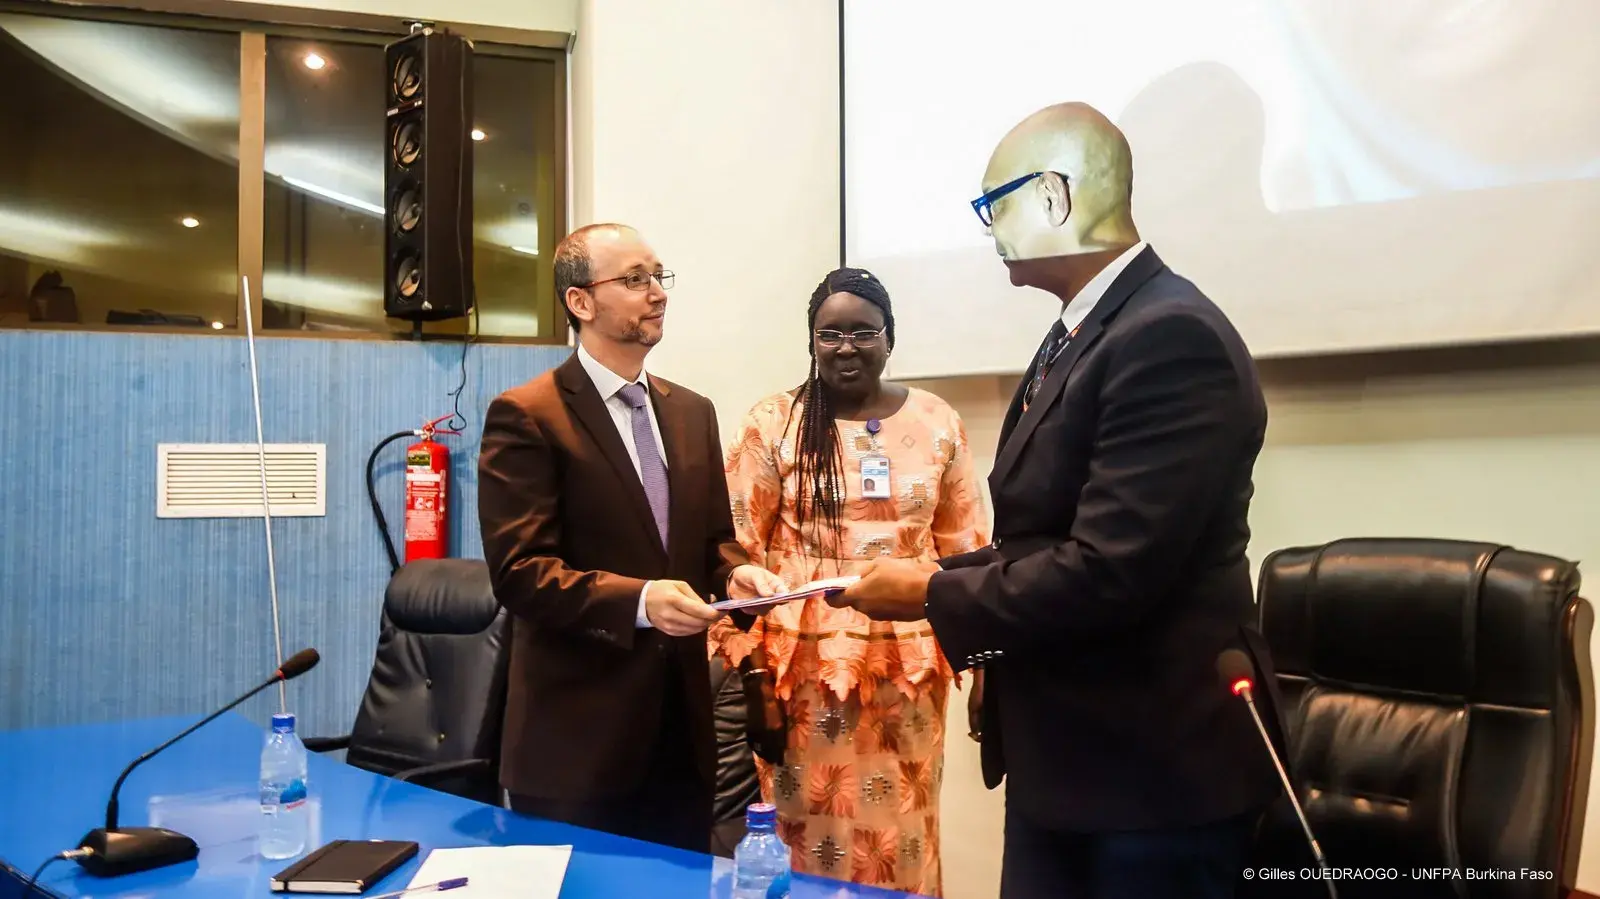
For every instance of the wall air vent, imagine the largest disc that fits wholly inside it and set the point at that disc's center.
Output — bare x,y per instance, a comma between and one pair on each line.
223,480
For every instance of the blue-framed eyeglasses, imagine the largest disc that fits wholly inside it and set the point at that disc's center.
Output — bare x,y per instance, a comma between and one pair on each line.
984,205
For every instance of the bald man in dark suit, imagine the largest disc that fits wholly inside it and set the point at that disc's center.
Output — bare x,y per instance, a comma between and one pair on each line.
1118,573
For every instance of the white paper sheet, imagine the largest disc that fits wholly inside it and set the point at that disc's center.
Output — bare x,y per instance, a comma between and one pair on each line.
527,872
815,588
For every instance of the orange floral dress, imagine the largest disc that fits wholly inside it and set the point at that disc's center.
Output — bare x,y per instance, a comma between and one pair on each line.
858,793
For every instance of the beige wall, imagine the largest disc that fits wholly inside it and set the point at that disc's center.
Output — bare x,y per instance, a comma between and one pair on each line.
712,125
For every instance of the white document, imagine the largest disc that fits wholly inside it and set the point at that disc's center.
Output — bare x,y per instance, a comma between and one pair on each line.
526,872
819,589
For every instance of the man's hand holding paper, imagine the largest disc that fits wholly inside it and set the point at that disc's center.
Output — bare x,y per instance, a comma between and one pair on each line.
673,609
890,590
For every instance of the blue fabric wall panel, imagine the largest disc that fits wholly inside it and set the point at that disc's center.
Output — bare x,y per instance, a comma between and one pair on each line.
108,612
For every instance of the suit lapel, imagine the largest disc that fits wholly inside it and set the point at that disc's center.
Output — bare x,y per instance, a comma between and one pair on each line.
1014,411
585,402
676,436
1048,391
1141,269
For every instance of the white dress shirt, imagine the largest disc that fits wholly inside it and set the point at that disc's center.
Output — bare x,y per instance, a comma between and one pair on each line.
1083,302
610,385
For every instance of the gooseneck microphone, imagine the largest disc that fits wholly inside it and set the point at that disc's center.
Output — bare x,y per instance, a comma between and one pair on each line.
114,851
1238,674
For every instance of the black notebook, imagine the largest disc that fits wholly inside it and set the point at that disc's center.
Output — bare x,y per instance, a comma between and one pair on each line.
344,866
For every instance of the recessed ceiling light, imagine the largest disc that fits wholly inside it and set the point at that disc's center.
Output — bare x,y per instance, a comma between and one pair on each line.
314,61
217,326
189,221
477,134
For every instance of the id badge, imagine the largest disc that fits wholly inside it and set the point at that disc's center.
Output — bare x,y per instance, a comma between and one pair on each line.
875,477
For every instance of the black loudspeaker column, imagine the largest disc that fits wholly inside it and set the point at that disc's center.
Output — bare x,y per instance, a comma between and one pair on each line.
427,178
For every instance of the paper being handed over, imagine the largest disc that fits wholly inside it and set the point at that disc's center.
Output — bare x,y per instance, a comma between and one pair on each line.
818,589
526,872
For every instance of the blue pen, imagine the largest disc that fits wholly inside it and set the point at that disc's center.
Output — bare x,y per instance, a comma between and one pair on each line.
441,886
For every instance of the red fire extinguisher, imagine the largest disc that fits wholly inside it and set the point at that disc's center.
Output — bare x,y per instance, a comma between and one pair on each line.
428,495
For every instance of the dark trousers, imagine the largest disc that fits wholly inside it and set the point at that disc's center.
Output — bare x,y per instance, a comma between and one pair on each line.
1190,863
671,807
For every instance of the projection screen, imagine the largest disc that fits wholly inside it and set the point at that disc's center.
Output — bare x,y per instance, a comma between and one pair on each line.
1337,174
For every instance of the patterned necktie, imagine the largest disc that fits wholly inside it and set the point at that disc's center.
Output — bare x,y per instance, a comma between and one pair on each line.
652,471
1049,351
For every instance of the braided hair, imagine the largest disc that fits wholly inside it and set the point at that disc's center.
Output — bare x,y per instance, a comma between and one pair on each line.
819,458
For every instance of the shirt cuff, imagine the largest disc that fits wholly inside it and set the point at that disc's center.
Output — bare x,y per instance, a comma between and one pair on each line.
641,619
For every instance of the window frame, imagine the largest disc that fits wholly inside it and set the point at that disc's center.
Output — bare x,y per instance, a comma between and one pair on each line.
253,23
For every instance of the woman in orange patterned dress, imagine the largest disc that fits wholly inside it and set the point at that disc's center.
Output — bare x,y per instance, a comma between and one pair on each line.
861,703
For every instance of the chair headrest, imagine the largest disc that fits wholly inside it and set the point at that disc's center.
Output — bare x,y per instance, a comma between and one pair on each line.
441,596
1438,617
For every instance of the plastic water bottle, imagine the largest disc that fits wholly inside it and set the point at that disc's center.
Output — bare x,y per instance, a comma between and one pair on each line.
284,813
761,861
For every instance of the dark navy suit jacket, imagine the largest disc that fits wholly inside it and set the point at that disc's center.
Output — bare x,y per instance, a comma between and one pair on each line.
1118,572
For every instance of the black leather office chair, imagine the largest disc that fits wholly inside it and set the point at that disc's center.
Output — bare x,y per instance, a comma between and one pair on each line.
738,785
432,710
1439,708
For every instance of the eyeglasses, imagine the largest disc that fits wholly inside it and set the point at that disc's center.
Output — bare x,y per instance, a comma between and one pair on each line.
637,280
832,339
984,205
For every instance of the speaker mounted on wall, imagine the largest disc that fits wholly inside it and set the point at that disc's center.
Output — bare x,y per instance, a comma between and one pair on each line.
427,177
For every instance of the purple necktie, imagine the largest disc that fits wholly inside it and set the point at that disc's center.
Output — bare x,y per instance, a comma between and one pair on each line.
652,471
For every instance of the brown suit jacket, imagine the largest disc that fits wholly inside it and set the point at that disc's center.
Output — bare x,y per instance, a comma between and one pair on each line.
570,542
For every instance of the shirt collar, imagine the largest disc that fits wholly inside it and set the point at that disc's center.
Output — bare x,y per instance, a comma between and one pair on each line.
1078,309
605,380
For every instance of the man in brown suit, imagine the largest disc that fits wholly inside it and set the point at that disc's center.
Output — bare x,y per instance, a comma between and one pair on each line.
605,520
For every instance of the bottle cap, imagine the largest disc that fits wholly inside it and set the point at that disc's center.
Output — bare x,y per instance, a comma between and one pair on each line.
283,724
761,814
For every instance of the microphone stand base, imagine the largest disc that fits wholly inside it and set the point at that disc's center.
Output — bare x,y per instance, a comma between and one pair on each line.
127,850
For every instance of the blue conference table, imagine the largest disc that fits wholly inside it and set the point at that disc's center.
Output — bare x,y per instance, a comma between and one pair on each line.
54,783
